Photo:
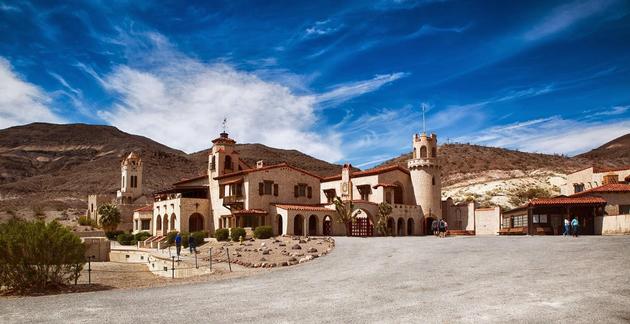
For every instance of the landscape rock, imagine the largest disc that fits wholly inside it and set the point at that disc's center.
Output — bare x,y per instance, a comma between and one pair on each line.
296,247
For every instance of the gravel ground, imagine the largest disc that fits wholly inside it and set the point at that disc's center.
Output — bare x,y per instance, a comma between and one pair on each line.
411,279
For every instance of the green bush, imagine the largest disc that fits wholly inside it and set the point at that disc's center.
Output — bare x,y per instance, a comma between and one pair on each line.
170,237
141,236
185,239
236,233
35,256
112,235
126,239
263,232
199,237
221,234
85,221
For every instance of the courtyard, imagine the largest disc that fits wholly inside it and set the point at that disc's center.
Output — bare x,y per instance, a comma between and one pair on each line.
407,279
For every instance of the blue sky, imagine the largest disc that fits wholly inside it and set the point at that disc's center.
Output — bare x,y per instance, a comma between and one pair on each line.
343,81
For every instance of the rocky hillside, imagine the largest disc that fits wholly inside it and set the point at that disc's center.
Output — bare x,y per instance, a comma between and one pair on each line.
615,153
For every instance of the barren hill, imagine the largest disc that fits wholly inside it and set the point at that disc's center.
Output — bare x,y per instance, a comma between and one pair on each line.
615,153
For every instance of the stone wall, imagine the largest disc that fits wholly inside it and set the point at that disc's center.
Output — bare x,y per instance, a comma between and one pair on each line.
99,247
610,225
487,221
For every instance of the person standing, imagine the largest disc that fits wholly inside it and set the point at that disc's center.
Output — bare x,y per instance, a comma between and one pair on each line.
575,226
178,244
442,228
434,227
566,227
191,244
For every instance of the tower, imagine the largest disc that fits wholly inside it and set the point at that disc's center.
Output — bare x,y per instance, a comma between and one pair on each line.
426,175
131,179
223,159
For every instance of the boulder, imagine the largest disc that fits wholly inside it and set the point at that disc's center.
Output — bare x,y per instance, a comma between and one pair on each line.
306,258
266,251
296,247
292,259
312,250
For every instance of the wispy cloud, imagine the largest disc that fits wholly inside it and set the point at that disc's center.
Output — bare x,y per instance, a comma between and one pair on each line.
6,7
347,91
613,111
551,135
426,30
321,28
565,16
22,102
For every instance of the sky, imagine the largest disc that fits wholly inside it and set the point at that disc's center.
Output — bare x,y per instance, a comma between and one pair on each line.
344,81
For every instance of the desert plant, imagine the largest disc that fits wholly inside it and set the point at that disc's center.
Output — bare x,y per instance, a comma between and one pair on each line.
35,256
85,221
126,239
263,232
384,210
199,237
170,237
112,235
221,234
236,233
38,211
346,213
109,216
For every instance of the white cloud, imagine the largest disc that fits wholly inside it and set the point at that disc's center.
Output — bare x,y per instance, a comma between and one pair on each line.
347,91
22,102
552,135
565,16
321,28
613,111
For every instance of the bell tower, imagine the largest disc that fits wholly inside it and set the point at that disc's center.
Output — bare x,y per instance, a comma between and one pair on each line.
131,179
426,175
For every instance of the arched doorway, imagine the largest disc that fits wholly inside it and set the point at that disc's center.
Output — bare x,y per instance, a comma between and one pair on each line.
428,226
279,222
312,225
158,225
195,223
298,225
410,224
327,226
390,226
400,227
165,224
363,226
173,219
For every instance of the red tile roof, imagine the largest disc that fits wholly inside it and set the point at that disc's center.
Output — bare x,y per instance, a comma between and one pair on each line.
385,185
281,165
304,207
190,180
611,187
145,208
567,201
370,172
250,212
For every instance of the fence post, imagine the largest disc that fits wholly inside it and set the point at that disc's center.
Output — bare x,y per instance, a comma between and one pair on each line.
173,267
227,250
210,259
90,269
196,266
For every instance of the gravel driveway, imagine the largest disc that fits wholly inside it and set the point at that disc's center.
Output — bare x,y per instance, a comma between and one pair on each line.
411,279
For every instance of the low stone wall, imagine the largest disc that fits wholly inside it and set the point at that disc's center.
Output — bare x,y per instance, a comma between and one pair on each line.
158,265
611,225
99,247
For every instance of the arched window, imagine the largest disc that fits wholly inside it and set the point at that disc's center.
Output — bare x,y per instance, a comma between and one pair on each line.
434,152
158,223
433,181
414,153
423,152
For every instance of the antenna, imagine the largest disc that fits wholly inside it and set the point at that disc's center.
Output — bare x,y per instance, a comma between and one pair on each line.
224,124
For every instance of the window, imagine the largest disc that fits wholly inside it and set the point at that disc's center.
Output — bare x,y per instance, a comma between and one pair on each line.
228,162
433,181
212,164
365,191
302,190
505,222
423,152
624,209
267,187
519,221
146,224
578,187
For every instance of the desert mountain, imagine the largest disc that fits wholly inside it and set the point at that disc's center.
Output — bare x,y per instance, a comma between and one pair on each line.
615,153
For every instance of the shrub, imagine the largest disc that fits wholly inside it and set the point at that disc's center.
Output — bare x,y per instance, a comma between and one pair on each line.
112,235
35,256
170,237
126,239
222,234
85,221
141,236
263,232
185,239
236,233
199,237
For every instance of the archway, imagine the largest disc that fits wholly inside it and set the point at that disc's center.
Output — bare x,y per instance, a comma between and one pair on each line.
165,224
158,225
327,226
400,227
410,225
390,226
312,225
195,223
363,226
279,222
173,219
298,225
423,152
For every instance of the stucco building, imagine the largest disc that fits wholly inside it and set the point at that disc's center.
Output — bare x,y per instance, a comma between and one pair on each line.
592,177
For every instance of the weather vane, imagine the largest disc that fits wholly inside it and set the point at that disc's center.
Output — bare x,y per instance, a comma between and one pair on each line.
224,124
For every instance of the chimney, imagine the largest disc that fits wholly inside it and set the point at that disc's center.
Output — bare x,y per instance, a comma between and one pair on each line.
610,179
260,164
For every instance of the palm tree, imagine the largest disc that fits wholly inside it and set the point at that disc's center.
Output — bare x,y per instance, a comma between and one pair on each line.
346,213
109,217
384,210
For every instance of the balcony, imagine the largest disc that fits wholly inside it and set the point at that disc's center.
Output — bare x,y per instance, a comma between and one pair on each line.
233,202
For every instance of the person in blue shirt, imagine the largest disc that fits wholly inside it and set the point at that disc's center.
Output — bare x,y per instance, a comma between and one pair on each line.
575,226
566,227
178,243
